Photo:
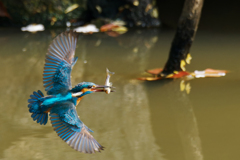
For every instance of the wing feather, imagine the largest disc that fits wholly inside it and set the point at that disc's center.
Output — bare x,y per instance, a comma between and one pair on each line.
71,129
59,62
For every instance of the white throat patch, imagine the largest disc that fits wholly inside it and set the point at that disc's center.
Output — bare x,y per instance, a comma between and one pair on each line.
77,94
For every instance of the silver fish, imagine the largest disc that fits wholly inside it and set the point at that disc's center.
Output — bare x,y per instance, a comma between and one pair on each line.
107,82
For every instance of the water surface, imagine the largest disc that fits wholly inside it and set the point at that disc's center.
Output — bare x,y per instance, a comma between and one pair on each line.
141,120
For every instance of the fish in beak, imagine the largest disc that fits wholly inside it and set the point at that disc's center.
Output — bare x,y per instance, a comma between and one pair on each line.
107,82
100,88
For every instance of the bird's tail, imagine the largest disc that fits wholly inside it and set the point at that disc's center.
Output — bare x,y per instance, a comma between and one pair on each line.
35,108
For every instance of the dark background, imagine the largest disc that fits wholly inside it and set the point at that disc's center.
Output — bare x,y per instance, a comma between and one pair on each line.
219,15
216,14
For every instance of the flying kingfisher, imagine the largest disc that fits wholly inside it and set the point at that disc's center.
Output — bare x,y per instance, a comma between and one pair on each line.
62,99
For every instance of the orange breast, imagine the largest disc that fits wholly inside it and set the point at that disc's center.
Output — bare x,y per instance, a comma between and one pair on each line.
79,99
49,109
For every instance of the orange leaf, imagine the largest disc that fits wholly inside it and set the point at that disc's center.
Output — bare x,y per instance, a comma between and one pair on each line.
108,27
149,78
209,70
155,71
159,70
112,34
179,74
209,73
3,11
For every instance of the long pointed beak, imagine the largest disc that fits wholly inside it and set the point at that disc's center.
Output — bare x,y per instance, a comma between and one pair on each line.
103,86
100,88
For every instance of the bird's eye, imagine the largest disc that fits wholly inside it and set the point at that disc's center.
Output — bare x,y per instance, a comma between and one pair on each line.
89,86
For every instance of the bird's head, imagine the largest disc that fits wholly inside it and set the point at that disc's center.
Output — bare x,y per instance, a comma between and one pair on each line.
85,88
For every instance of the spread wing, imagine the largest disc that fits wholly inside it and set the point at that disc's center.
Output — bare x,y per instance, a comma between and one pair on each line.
59,62
71,129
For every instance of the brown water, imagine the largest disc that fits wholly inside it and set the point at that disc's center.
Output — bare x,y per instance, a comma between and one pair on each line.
141,120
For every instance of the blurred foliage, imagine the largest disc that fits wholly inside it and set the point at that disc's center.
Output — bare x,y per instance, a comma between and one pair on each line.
142,13
47,12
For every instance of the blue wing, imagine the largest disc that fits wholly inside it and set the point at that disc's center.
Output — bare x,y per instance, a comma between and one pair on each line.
71,129
59,62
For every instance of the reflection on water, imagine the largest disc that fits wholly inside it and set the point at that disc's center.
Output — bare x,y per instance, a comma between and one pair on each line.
186,122
182,116
185,86
153,120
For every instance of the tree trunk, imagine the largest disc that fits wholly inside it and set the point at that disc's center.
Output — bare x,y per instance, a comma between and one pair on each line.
186,30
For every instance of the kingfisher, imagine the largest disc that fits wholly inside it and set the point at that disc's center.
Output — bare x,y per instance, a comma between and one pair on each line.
61,100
